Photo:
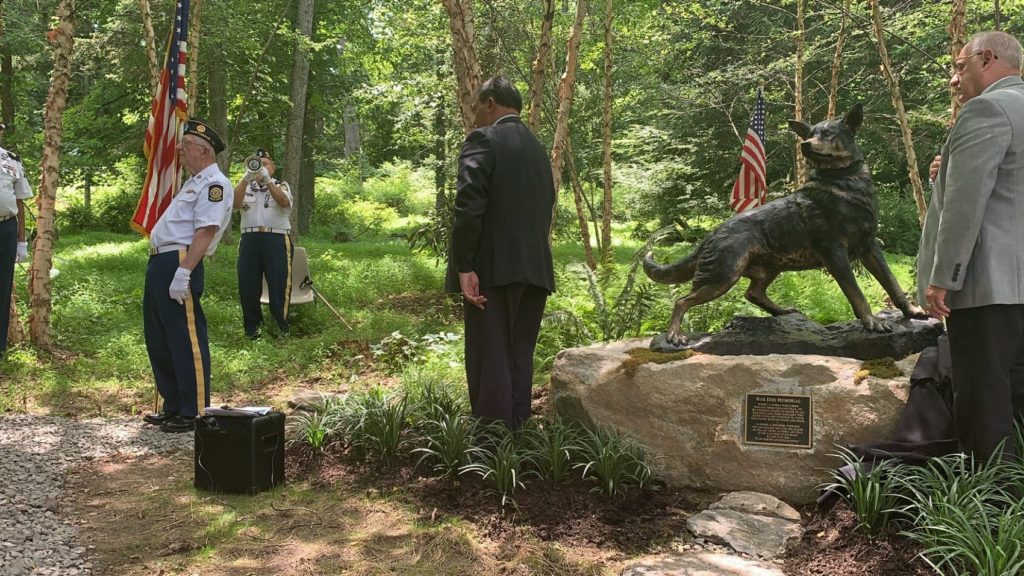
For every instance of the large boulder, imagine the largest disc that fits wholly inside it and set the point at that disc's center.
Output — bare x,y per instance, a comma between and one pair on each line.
689,412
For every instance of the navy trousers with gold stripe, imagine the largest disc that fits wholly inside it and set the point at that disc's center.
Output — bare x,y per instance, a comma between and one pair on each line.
264,254
176,339
8,252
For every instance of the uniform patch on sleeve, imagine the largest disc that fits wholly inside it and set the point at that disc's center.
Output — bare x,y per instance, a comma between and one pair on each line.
216,193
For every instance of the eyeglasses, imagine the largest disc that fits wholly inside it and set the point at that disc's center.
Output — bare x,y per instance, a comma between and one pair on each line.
960,65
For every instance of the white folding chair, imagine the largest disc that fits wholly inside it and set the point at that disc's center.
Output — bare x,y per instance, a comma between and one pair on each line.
302,287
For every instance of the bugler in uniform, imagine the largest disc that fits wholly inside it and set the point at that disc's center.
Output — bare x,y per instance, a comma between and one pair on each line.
265,249
14,189
173,319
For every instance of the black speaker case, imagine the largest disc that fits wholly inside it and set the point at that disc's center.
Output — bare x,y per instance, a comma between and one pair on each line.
239,454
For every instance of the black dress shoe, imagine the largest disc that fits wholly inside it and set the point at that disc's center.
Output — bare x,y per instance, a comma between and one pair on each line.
157,419
178,424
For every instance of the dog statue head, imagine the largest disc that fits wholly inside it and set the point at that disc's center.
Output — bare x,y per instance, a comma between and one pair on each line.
830,145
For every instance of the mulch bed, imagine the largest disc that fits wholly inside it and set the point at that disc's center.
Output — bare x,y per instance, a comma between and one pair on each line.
634,524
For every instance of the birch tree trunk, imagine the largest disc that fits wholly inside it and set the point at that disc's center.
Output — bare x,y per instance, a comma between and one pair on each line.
40,300
537,73
957,39
6,77
297,118
150,40
193,57
581,211
467,68
565,92
15,331
606,157
901,113
833,88
798,92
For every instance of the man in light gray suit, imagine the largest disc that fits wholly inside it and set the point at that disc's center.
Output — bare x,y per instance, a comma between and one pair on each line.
971,260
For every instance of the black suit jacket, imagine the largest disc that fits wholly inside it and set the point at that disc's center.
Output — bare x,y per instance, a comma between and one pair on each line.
503,202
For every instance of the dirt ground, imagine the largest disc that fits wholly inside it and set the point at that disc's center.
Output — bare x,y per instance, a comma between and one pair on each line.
340,516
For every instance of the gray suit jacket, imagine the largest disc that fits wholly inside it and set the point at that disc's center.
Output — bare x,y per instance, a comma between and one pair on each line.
973,238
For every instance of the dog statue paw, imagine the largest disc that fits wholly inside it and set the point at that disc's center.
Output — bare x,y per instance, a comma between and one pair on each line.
916,312
875,324
674,338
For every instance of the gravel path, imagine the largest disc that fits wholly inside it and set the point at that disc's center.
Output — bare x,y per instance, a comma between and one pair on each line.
35,454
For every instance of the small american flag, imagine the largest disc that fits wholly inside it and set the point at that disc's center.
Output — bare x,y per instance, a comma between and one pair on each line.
166,118
750,189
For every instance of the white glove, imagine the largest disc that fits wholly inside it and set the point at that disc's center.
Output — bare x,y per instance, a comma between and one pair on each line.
22,252
179,285
264,176
250,176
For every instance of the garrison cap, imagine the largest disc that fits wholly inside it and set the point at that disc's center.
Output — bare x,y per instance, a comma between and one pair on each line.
262,153
202,130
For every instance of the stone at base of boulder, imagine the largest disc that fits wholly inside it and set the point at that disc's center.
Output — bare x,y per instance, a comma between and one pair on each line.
749,534
701,564
756,503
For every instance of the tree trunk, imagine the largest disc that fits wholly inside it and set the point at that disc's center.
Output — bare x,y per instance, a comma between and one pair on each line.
581,211
440,153
297,118
217,106
833,88
15,331
957,39
798,92
997,13
150,40
353,138
565,93
537,73
901,113
307,174
87,194
606,158
193,58
467,68
53,123
6,78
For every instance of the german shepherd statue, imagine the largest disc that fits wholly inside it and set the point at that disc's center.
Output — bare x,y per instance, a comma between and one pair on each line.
828,222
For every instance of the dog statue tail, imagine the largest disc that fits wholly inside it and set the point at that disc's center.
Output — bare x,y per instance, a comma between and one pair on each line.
677,273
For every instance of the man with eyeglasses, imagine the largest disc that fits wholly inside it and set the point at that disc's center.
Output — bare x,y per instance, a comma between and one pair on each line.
500,256
971,259
265,250
175,326
14,190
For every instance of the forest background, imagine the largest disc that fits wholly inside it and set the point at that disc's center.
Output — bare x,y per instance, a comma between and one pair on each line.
382,89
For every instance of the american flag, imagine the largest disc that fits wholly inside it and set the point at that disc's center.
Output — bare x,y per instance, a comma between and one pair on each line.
166,118
750,189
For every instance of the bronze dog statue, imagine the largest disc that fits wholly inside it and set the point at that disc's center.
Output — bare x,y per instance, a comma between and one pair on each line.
828,222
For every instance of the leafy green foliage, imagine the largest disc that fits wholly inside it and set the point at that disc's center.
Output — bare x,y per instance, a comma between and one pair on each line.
448,438
552,447
378,420
613,461
499,461
966,514
867,488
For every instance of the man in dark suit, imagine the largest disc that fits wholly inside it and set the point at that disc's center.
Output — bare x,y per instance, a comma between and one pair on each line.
500,257
970,265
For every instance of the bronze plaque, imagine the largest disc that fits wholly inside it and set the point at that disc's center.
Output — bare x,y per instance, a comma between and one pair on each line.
778,420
